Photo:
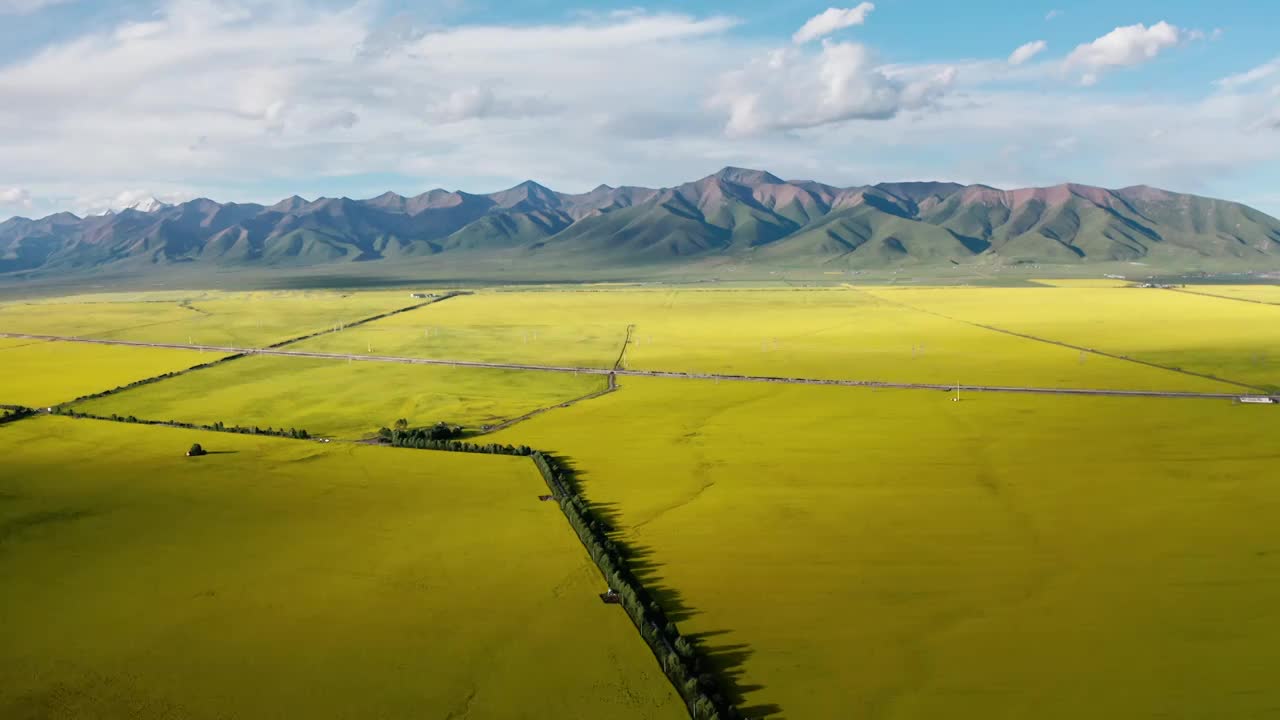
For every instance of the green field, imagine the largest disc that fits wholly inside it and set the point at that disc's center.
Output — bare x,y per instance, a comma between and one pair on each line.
893,554
343,399
278,578
249,319
37,374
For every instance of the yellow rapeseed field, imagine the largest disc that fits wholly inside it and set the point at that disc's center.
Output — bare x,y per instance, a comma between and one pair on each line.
1225,338
36,373
247,319
834,333
289,579
346,400
895,554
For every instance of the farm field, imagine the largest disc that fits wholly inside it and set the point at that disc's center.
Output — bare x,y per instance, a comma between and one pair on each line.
246,319
341,399
1224,338
37,374
1256,293
831,333
278,578
580,329
894,554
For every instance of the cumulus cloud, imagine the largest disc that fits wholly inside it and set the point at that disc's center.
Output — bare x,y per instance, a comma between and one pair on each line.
1027,51
15,197
1122,47
253,101
831,20
792,89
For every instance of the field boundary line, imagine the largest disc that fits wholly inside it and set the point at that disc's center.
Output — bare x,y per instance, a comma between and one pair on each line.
610,386
230,353
617,364
1223,297
669,374
1060,343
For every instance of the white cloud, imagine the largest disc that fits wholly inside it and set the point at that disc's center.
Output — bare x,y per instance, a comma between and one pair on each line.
1053,15
254,101
1123,47
792,89
831,20
1252,76
27,7
1027,51
15,197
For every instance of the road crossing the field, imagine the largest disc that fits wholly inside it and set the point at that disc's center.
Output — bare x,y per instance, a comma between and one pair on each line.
671,374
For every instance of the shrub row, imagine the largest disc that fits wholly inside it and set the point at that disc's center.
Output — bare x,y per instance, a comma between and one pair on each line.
681,660
219,426
145,381
428,439
10,413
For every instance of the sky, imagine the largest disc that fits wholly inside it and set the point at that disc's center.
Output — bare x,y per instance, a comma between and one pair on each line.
104,103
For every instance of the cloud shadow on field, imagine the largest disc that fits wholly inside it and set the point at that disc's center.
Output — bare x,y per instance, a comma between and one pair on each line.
727,660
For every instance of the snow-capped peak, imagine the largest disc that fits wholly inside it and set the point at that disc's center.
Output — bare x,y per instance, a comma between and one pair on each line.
147,205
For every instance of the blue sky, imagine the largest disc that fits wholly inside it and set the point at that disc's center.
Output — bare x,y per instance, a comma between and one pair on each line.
108,102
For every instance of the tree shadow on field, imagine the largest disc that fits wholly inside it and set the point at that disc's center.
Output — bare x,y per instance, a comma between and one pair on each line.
727,660
221,452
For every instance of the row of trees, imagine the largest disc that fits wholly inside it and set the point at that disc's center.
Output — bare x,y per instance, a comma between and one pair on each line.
148,381
295,433
681,660
14,412
429,439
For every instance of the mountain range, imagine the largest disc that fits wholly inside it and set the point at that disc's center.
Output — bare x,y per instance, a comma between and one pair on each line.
743,215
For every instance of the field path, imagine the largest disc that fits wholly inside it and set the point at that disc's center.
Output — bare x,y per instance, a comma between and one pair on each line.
672,374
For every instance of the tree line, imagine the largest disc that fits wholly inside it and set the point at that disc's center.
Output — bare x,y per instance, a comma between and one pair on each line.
10,413
682,661
219,426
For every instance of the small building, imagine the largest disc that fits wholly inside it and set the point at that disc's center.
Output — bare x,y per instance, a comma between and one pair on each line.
1258,400
421,296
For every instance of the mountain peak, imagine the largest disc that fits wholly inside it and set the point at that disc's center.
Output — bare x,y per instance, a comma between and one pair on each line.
747,176
289,204
528,192
146,205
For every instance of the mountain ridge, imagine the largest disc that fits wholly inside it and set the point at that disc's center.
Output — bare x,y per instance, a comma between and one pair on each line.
744,214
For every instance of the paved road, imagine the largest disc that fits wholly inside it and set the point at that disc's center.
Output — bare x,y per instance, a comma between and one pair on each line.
637,373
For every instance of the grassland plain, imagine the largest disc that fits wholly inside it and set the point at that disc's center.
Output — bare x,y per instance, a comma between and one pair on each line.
36,374
1221,337
341,399
833,333
894,554
277,578
249,319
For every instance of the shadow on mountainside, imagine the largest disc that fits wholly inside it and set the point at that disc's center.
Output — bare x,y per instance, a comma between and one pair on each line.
727,660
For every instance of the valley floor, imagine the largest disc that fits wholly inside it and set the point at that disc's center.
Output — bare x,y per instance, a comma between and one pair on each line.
876,551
